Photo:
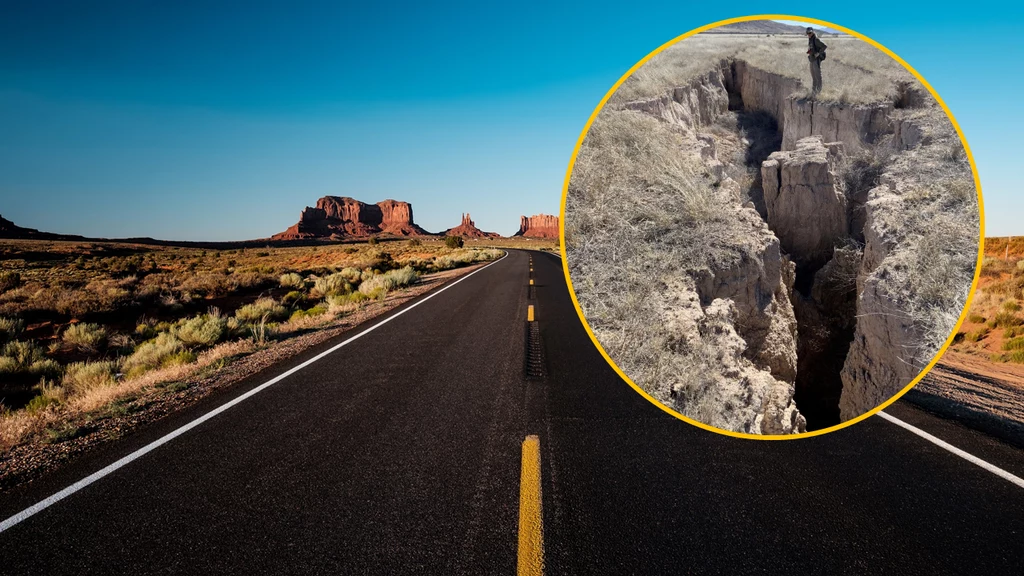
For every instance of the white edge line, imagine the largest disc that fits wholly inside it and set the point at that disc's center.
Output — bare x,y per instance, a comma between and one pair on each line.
947,446
42,505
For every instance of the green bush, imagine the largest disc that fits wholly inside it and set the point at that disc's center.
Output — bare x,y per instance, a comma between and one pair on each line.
1014,343
414,242
80,377
85,336
46,368
454,241
145,331
292,280
264,308
317,310
164,350
1011,306
976,318
202,331
344,299
293,297
20,356
49,395
10,328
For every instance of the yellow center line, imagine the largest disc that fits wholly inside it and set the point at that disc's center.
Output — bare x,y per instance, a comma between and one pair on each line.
529,313
531,518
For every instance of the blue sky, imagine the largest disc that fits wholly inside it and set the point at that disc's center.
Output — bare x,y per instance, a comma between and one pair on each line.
220,121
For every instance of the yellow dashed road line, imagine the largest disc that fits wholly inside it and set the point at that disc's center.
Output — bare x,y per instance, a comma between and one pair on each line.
531,519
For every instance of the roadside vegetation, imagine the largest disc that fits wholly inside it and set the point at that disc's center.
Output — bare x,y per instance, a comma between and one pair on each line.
994,327
84,325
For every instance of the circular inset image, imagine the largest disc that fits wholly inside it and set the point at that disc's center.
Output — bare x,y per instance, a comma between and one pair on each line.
771,228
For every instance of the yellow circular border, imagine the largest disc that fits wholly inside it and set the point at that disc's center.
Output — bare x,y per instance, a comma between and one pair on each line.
977,266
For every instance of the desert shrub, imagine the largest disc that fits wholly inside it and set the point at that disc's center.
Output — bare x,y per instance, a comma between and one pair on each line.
264,308
85,336
1004,320
202,331
292,280
1014,343
976,335
1011,305
366,275
9,280
372,241
164,350
342,300
454,241
444,263
293,297
145,331
351,275
390,280
976,318
317,310
992,266
80,377
49,394
1013,331
338,283
20,355
46,368
10,328
414,242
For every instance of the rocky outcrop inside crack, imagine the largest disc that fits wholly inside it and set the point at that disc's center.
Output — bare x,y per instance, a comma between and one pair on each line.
805,198
467,229
538,226
342,217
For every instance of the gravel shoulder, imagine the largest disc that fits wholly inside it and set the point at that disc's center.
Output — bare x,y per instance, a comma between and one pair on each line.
981,394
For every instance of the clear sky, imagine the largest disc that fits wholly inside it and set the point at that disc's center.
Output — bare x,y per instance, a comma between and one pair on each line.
220,121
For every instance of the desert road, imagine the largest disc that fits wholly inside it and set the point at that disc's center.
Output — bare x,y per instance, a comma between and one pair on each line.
401,452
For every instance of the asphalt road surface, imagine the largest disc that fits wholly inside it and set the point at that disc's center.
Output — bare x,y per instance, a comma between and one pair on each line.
400,453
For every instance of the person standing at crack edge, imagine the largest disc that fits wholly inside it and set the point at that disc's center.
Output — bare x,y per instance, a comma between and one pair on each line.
815,54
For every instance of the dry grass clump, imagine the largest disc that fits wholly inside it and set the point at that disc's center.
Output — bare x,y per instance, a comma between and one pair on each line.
164,350
640,210
262,309
81,377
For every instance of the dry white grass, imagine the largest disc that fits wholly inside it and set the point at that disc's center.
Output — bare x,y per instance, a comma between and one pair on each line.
855,72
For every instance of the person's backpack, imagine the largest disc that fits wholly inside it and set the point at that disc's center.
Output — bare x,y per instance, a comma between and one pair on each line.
821,55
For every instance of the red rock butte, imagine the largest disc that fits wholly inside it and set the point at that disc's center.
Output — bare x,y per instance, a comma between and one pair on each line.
539,226
469,230
342,217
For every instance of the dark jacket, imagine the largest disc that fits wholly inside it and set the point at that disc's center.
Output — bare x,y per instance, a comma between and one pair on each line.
815,47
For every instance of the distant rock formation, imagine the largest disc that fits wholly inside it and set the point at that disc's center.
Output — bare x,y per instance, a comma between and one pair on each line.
469,230
343,217
10,230
538,226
